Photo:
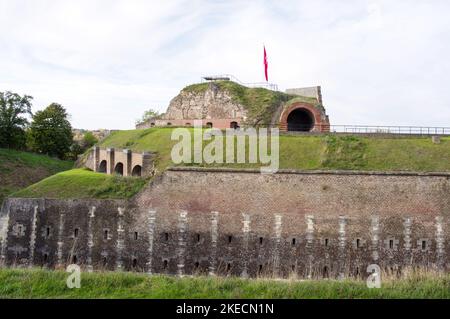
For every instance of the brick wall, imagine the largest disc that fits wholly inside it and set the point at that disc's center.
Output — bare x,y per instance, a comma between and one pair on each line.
188,221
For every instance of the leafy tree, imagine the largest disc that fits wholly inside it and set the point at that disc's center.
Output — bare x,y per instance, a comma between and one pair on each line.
88,141
50,131
149,114
13,107
75,150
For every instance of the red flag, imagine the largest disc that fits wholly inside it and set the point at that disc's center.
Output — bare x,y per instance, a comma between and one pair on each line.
266,64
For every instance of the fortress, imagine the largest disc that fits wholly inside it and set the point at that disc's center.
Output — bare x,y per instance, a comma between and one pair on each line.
308,224
205,221
225,104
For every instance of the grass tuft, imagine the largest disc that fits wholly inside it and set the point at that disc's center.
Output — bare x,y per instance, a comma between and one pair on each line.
38,283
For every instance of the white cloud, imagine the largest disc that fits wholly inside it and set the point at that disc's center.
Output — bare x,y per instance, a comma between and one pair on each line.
379,62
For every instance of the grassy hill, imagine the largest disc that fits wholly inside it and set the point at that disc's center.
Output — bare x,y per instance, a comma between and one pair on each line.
82,183
21,169
320,152
34,283
314,152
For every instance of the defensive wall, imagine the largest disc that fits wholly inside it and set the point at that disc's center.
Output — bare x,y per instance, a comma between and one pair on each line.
242,223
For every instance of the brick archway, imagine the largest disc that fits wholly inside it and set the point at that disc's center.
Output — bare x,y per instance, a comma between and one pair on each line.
317,120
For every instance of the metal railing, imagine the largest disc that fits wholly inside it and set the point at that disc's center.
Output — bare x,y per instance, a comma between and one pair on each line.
385,129
370,129
230,77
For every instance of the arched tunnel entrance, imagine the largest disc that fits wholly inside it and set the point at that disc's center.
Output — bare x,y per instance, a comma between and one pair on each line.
119,169
300,120
137,171
102,167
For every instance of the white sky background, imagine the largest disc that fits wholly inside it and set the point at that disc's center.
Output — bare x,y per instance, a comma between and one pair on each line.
378,62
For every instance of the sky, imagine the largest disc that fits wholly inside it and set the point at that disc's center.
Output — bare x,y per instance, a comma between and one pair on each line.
378,62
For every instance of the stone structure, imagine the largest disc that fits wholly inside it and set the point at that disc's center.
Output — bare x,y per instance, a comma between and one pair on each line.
216,107
121,162
213,107
242,223
78,134
313,91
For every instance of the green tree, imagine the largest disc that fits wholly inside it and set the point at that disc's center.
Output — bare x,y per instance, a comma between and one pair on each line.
88,140
50,131
13,122
149,114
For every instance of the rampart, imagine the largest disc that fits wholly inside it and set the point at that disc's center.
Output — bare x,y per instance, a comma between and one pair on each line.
242,223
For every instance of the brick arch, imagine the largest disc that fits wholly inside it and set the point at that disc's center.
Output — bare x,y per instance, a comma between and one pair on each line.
319,121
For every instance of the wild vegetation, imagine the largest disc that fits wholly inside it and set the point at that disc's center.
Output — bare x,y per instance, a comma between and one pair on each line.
49,132
38,283
14,110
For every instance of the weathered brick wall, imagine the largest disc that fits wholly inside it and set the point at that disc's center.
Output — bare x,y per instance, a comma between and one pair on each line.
242,223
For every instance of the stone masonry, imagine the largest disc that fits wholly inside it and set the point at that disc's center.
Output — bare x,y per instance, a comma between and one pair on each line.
242,223
122,162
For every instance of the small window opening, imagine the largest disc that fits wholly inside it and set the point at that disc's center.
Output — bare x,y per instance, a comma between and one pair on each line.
391,244
325,272
166,236
230,238
165,264
197,238
293,241
136,235
135,262
260,269
47,232
75,232
105,234
74,259
45,258
424,244
358,243
260,240
326,242
228,267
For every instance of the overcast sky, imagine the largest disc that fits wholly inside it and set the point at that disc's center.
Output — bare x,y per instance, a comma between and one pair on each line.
378,62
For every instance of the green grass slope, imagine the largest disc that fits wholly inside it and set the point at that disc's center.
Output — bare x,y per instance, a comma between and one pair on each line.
320,152
313,152
82,183
34,283
21,169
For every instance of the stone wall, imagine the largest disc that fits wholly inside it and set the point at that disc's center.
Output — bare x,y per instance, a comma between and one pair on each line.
106,160
213,103
313,91
187,221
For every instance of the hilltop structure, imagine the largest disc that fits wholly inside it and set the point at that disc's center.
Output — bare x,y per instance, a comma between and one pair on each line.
229,221
227,104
